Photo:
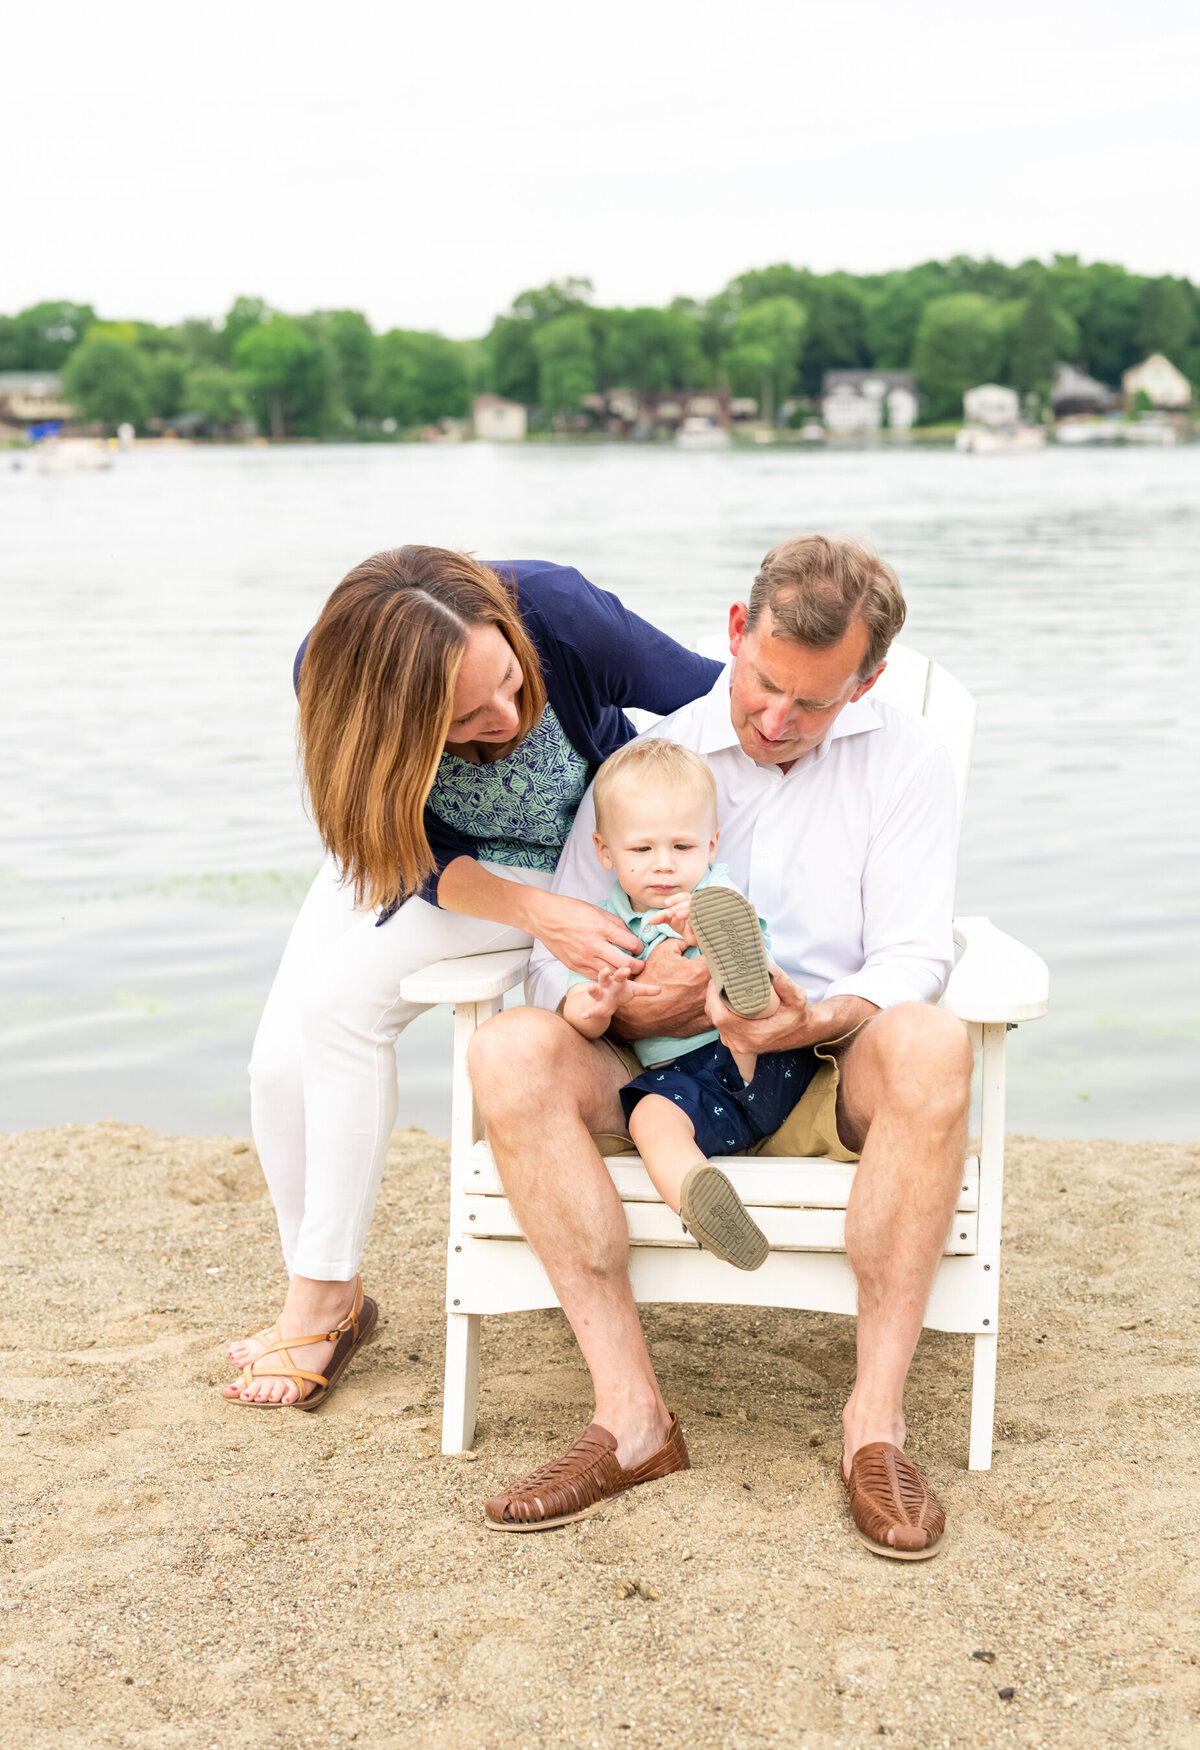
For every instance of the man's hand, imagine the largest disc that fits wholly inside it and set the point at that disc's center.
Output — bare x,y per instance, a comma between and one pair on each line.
795,1023
789,1028
677,1011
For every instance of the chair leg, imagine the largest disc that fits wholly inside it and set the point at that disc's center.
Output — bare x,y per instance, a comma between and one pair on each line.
461,1387
983,1403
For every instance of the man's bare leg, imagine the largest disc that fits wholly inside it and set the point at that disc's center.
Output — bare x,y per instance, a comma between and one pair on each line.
903,1099
542,1089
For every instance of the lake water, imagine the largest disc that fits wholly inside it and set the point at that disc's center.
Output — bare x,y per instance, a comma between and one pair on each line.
154,847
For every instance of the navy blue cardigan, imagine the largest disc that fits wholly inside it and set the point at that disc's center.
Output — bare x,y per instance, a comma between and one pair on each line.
597,658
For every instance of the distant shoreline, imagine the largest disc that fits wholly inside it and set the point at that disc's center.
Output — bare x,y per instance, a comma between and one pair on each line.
923,438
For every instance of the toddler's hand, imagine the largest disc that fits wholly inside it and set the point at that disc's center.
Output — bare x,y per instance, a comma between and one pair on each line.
678,915
604,993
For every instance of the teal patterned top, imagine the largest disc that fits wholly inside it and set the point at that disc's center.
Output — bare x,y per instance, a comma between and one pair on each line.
520,808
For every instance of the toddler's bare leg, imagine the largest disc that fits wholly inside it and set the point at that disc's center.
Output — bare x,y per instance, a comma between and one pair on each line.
693,1186
666,1141
747,1061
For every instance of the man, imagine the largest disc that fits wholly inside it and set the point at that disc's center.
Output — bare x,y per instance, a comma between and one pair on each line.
838,819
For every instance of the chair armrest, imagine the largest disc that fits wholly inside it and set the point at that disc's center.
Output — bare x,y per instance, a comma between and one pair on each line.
472,979
997,978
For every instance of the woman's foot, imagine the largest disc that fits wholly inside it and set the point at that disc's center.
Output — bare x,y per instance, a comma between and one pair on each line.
310,1306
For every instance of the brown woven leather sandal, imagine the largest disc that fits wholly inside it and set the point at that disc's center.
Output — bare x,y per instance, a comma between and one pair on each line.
584,1479
888,1493
355,1330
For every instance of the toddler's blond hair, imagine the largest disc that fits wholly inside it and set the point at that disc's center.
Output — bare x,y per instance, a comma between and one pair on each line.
665,767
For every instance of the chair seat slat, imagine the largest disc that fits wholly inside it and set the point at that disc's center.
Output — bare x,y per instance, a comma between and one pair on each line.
762,1181
653,1224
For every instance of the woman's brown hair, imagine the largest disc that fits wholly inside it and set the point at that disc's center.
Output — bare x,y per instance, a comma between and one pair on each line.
376,703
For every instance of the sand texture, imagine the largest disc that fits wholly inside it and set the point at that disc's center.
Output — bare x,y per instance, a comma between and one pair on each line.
179,1572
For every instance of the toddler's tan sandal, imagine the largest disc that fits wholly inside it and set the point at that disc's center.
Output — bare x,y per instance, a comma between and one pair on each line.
714,1214
727,929
354,1332
580,1482
888,1493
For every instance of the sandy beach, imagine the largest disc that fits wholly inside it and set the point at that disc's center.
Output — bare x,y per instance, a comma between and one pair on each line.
179,1572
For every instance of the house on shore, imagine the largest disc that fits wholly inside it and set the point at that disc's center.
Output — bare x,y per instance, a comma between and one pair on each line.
1075,393
649,413
991,404
1157,378
857,401
30,397
498,421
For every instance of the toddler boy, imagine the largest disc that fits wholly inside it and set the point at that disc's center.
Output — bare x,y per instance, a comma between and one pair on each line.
656,828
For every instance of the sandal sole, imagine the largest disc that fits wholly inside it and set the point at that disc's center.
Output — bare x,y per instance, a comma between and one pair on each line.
716,1216
367,1324
889,1550
547,1524
727,929
900,1555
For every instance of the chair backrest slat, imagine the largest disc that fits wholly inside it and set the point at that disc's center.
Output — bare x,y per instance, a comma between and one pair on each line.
904,683
950,712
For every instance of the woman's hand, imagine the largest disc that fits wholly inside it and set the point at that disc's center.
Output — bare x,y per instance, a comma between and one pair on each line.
582,936
585,938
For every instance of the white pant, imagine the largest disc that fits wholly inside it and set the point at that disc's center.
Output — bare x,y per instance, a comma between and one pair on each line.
323,1092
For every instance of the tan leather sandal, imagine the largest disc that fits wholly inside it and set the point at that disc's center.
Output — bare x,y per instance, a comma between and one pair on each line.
715,1216
726,926
888,1493
355,1330
583,1480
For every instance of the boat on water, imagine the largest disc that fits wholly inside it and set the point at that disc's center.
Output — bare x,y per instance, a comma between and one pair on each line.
69,455
999,440
701,432
1150,430
1116,431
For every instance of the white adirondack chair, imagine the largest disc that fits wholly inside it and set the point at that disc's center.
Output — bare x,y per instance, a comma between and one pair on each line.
800,1204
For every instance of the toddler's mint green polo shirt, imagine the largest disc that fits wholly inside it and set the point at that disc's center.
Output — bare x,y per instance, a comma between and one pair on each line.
662,1050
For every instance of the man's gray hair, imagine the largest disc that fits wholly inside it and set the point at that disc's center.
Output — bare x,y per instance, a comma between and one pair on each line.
816,586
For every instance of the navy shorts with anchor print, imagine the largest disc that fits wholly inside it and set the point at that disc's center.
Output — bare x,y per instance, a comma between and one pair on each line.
728,1116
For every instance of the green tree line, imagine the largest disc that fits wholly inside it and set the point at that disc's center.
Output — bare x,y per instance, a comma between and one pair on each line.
324,374
771,334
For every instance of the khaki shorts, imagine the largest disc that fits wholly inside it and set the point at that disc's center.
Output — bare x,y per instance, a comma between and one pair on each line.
809,1129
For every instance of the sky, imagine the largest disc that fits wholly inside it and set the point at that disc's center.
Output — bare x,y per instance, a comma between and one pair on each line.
425,165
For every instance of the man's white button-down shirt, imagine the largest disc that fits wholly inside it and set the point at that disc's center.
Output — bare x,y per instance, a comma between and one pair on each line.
849,855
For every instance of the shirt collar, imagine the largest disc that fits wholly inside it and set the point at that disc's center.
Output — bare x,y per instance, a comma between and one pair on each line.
716,725
619,900
717,731
621,903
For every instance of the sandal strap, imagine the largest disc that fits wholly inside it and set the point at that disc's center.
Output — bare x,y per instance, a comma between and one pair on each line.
279,1346
349,1323
299,1374
289,1370
300,1342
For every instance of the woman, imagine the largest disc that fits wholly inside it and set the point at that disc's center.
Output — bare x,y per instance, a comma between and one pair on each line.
452,715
